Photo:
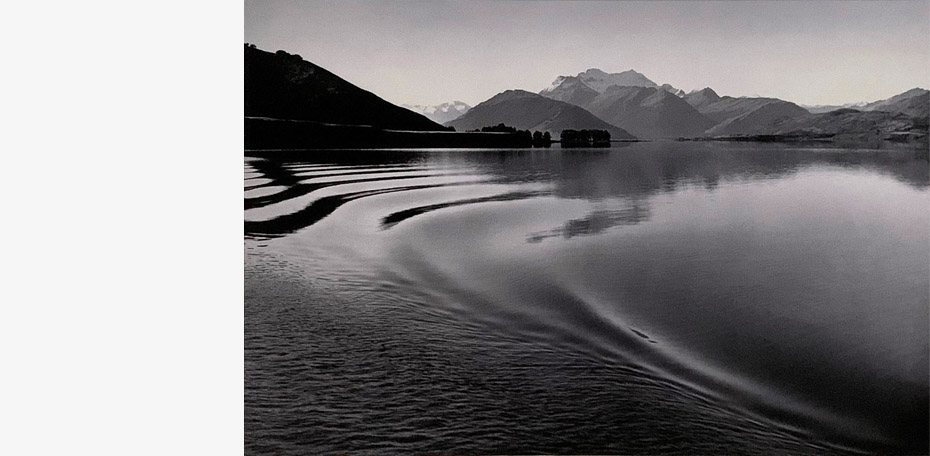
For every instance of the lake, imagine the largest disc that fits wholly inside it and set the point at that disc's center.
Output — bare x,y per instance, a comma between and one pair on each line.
663,297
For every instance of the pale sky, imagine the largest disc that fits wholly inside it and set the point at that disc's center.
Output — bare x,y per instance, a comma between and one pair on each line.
418,52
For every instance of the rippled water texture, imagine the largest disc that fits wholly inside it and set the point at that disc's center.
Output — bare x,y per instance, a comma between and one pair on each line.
653,298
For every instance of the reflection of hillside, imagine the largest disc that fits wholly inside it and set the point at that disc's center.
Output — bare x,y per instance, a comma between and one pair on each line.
633,175
655,167
628,169
597,222
620,180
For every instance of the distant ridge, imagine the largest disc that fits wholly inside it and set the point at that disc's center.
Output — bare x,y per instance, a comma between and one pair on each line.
753,113
903,117
441,113
285,86
851,125
914,102
701,98
818,109
649,112
529,111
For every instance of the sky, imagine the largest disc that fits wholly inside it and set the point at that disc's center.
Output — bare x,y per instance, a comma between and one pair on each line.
430,52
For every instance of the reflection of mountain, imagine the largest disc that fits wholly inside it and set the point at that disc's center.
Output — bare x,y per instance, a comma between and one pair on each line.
620,183
650,168
597,222
528,111
628,180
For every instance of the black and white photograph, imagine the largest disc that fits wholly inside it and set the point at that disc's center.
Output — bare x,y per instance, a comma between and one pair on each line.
573,227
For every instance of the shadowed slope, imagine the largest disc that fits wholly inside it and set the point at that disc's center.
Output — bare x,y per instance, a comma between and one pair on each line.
914,102
572,90
529,111
771,110
284,86
649,112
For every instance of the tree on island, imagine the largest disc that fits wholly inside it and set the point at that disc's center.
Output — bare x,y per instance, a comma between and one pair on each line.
537,138
542,139
499,128
525,138
585,138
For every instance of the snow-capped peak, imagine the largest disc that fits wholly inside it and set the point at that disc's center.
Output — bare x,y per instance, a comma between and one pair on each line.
599,80
441,113
555,84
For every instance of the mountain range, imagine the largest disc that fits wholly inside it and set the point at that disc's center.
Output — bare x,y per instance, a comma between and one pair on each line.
912,103
903,116
529,111
848,124
441,113
283,88
632,101
734,116
722,109
818,109
648,112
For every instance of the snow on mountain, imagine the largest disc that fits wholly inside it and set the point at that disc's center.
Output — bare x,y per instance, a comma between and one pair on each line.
817,109
600,81
441,113
630,101
570,89
670,89
914,103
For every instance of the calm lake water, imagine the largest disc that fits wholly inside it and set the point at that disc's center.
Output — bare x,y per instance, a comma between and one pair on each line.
648,298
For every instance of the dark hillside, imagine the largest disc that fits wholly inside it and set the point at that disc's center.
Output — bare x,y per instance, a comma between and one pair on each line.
285,86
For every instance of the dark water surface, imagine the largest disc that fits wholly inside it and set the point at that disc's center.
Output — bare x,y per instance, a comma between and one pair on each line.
653,298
